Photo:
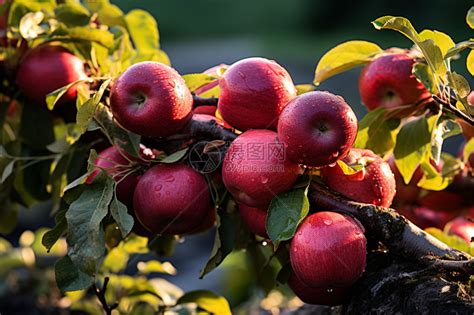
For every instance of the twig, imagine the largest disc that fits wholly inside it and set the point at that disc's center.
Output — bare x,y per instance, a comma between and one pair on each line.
100,293
202,101
453,109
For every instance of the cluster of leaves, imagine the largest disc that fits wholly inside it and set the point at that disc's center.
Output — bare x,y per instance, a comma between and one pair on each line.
417,141
44,158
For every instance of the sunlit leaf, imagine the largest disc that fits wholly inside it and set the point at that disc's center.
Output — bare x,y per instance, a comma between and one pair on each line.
344,57
470,17
470,62
208,301
196,80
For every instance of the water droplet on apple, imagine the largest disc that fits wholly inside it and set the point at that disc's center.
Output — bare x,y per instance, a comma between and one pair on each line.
158,187
330,290
169,178
264,180
300,146
242,75
332,164
335,154
327,221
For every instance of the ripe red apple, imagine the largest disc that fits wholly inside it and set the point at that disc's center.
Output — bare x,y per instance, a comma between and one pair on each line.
322,296
254,219
172,199
388,82
254,91
255,169
375,184
318,128
47,68
328,250
206,110
442,200
462,227
151,99
425,217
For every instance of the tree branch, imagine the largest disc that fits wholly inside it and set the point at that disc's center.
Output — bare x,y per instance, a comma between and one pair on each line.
100,293
202,101
394,230
450,107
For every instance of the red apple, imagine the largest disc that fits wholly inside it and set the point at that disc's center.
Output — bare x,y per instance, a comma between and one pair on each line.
318,128
442,200
206,110
254,91
255,169
254,219
47,68
388,82
375,184
322,296
426,217
172,199
462,227
151,99
328,250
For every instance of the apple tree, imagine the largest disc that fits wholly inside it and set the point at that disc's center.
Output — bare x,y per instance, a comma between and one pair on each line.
368,215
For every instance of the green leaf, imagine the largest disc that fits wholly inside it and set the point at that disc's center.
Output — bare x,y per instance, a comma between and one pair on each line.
459,84
224,241
468,150
344,57
52,236
69,277
350,169
175,157
128,141
196,80
108,14
470,17
120,214
424,74
453,241
411,145
53,97
72,14
376,132
459,47
116,260
84,218
470,62
86,111
143,29
7,171
154,266
207,301
304,88
428,46
285,213
83,33
442,40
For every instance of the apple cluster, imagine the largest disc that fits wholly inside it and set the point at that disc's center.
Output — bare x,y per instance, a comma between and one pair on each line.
388,81
281,135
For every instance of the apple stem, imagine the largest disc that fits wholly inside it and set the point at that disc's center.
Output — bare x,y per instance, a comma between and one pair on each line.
395,231
203,101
